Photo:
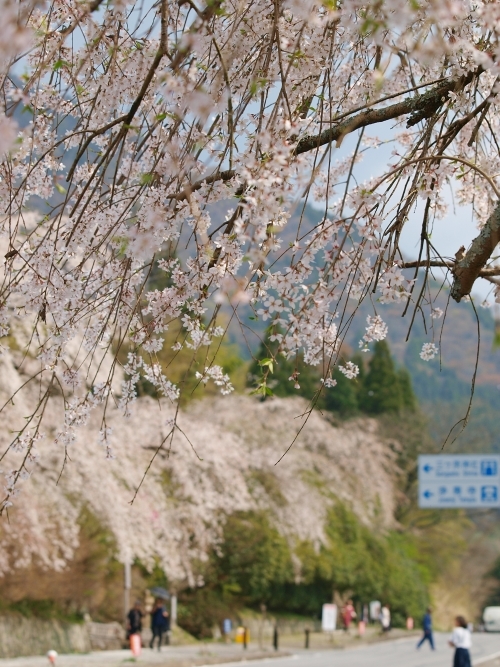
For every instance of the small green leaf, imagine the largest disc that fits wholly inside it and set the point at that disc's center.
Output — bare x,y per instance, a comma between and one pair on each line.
146,179
269,363
262,390
58,64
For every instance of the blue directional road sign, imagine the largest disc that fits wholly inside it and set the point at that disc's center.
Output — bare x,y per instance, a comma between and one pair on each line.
464,480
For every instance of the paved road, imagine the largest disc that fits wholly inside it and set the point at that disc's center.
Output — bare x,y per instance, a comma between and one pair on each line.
399,653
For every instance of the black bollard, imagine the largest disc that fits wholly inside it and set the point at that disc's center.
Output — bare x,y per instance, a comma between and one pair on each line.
275,638
245,637
307,638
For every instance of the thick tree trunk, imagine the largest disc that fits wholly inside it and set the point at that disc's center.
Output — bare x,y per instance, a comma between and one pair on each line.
469,267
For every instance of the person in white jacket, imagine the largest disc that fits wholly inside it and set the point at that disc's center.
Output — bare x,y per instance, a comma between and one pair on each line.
461,641
385,618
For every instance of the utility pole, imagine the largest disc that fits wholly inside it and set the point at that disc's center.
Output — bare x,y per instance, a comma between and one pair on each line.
263,610
127,585
173,610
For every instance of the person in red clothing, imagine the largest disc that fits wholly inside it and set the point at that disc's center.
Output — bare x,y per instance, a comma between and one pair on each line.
348,615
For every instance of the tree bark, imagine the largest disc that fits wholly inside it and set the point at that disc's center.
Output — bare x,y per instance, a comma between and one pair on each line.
419,107
470,266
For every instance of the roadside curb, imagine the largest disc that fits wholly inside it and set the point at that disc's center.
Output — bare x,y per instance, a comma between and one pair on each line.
487,658
204,661
247,658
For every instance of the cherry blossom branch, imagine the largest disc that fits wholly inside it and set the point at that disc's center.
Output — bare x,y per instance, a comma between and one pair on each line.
420,107
253,95
223,176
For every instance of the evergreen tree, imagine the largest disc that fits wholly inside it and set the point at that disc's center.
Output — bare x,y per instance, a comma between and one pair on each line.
381,390
408,399
343,397
254,559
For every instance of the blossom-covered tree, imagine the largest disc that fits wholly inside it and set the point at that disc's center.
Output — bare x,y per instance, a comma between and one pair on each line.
180,135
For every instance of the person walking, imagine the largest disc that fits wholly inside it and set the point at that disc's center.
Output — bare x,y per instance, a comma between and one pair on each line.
385,618
134,628
134,619
348,615
461,642
160,623
427,628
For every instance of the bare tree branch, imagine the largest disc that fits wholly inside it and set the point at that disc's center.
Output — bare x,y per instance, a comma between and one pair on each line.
483,273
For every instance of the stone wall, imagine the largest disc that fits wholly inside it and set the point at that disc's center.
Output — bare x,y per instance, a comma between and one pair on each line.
20,636
106,636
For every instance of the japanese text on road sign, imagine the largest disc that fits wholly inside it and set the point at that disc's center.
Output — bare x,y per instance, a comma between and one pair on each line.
465,480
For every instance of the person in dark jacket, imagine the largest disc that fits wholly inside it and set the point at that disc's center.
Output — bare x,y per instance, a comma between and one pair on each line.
160,623
427,628
134,619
